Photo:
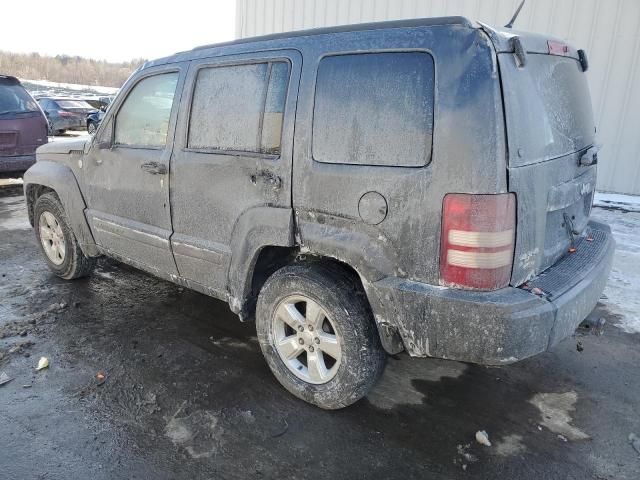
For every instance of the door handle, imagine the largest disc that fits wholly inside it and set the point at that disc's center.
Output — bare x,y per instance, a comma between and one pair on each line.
154,168
270,178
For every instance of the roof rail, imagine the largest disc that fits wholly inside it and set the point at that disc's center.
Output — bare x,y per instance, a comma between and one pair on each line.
414,22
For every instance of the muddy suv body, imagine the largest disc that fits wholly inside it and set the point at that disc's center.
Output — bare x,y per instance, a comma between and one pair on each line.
425,185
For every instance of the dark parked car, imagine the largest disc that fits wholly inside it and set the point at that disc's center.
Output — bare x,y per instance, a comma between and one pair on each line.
101,103
421,185
23,126
93,121
65,113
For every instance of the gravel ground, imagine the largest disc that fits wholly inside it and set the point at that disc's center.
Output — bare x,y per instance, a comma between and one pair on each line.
186,393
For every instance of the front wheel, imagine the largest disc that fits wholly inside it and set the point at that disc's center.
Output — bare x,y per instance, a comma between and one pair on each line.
58,243
91,128
318,336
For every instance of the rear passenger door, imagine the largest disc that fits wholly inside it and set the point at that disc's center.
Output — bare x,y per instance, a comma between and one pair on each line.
231,166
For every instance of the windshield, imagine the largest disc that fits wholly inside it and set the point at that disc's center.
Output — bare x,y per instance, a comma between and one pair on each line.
73,104
15,99
548,108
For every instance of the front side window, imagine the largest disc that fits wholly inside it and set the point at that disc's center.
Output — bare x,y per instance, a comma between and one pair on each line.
143,119
374,109
239,108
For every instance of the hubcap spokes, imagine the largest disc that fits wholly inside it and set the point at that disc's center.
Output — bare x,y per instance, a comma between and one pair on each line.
306,339
52,238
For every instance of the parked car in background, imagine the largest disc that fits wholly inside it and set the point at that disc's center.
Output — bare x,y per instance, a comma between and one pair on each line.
65,113
23,126
101,103
93,120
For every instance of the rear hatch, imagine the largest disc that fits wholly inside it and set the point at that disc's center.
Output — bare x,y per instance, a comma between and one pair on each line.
23,126
550,127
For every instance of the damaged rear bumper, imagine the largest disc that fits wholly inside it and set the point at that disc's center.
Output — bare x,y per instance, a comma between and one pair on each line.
500,327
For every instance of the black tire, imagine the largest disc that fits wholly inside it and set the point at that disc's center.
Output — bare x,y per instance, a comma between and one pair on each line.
362,356
75,263
91,127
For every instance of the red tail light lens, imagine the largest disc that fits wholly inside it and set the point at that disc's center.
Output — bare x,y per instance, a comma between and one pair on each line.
63,113
478,236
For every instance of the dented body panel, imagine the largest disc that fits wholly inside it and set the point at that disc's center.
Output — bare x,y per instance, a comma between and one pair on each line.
222,220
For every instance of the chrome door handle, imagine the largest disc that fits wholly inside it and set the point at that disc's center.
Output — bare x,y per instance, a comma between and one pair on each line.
154,168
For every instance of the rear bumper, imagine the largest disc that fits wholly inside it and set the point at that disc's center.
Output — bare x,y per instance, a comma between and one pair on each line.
69,123
501,327
17,163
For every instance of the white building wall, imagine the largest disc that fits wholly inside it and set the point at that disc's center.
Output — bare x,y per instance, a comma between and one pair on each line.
609,30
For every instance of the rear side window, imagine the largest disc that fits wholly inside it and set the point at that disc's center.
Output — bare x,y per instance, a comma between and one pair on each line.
374,109
239,108
143,118
71,104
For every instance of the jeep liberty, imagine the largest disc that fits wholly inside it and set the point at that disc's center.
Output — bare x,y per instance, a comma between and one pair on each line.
420,185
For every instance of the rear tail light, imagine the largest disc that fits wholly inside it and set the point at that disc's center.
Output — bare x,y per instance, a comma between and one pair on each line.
478,236
63,113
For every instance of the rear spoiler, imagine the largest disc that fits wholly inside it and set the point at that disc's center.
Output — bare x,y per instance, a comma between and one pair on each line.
506,40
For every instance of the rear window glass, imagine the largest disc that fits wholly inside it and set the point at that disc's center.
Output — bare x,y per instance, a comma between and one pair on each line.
548,108
15,99
239,108
374,109
73,104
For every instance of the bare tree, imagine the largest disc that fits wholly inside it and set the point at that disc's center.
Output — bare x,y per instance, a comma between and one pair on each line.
67,69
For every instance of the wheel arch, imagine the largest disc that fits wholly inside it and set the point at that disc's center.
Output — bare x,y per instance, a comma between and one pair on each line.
47,176
272,258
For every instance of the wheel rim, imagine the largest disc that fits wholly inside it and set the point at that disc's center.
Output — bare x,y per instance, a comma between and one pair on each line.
306,339
52,238
92,128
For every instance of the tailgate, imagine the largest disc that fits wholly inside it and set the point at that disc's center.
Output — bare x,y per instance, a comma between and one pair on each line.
549,127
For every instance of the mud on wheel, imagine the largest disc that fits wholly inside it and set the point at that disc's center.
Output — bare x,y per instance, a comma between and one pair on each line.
57,241
317,335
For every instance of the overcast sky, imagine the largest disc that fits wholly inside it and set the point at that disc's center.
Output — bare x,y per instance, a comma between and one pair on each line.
114,30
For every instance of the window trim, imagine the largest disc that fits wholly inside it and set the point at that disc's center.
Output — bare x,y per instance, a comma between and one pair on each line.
234,63
126,97
368,52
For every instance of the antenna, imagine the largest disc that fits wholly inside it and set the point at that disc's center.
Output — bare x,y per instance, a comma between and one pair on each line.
515,15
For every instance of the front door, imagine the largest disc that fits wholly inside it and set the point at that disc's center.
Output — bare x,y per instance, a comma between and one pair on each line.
231,165
127,171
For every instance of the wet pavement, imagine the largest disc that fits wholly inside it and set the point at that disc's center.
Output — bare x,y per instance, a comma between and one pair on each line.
186,393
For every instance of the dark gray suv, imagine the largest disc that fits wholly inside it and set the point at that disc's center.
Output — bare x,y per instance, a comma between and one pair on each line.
421,185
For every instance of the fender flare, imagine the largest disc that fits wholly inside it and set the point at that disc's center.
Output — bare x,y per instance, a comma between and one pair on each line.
61,179
256,228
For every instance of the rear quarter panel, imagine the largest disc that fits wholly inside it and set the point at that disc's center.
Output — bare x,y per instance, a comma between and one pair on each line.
468,155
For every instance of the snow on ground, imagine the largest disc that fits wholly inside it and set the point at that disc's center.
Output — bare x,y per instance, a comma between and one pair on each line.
629,203
47,88
622,293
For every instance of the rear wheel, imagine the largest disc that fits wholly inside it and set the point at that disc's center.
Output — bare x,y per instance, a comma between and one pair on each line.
91,128
317,335
57,241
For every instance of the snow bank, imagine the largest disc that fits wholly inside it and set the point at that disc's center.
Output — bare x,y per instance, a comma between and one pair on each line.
622,293
628,203
73,86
